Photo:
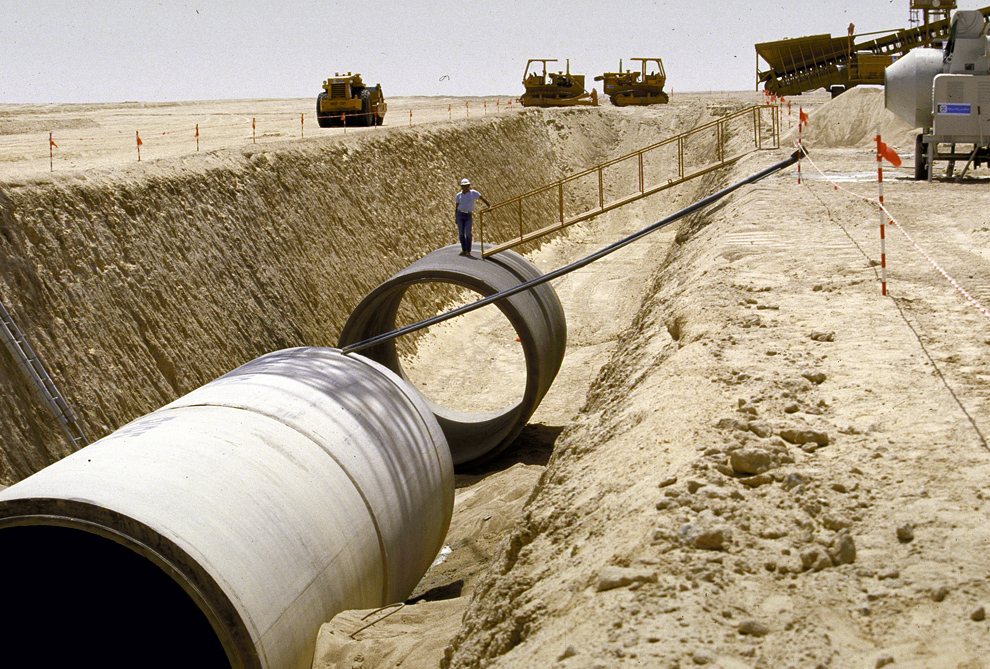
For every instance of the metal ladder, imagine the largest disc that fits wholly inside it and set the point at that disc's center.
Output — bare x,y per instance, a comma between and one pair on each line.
42,384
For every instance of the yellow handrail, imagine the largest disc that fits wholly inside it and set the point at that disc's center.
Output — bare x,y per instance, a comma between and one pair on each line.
562,221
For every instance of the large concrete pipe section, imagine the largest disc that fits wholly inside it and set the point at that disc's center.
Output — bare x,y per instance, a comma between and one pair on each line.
536,315
226,527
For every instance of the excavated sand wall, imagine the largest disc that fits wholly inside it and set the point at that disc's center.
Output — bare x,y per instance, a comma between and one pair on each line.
138,284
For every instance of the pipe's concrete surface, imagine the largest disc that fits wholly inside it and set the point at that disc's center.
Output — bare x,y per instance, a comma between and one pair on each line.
536,315
253,509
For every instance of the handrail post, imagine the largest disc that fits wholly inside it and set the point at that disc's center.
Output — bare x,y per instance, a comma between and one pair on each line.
718,126
520,219
601,189
757,115
776,115
718,142
481,231
773,126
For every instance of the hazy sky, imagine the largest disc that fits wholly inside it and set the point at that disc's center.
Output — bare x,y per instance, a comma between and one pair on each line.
113,51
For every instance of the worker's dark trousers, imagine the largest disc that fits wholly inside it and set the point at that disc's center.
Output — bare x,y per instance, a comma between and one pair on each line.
464,230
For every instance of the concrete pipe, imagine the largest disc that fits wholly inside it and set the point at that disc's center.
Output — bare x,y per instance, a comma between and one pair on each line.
224,528
536,315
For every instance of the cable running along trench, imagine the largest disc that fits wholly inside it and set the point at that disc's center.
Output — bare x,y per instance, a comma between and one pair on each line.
587,260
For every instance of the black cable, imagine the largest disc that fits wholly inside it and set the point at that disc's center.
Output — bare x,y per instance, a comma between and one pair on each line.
550,276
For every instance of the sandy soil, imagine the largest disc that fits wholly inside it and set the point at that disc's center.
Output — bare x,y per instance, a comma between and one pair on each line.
750,458
774,465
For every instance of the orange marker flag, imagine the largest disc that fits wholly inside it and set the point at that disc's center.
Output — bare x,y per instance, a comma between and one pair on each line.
803,117
51,141
138,136
889,154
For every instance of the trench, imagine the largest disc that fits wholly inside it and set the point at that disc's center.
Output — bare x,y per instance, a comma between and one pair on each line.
141,283
260,251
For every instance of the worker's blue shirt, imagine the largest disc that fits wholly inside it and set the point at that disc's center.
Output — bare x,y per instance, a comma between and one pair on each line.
465,201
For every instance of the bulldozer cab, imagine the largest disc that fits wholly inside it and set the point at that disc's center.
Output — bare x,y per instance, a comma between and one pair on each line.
536,78
655,78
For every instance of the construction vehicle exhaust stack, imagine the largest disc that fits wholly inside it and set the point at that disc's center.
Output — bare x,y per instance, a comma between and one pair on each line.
636,88
562,89
347,100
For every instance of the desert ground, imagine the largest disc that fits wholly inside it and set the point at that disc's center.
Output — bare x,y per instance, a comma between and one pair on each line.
750,457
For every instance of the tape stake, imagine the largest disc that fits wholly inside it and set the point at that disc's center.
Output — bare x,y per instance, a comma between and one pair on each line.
883,218
302,126
137,137
799,154
197,136
253,137
410,118
985,311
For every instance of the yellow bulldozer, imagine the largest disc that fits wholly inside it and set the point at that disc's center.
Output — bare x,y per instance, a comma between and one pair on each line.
560,89
347,100
644,87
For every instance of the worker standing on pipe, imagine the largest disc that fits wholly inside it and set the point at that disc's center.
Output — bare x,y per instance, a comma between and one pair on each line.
463,206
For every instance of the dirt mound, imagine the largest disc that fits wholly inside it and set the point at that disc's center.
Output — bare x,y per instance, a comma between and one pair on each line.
851,121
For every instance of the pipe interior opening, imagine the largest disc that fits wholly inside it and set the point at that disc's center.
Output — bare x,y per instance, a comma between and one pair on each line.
484,366
73,598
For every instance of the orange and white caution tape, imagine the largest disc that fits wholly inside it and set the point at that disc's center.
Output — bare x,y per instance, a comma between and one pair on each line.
955,284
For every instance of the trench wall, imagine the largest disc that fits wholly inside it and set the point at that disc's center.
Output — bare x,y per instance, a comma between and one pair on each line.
138,284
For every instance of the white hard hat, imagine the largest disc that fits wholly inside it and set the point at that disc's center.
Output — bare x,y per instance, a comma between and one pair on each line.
465,182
